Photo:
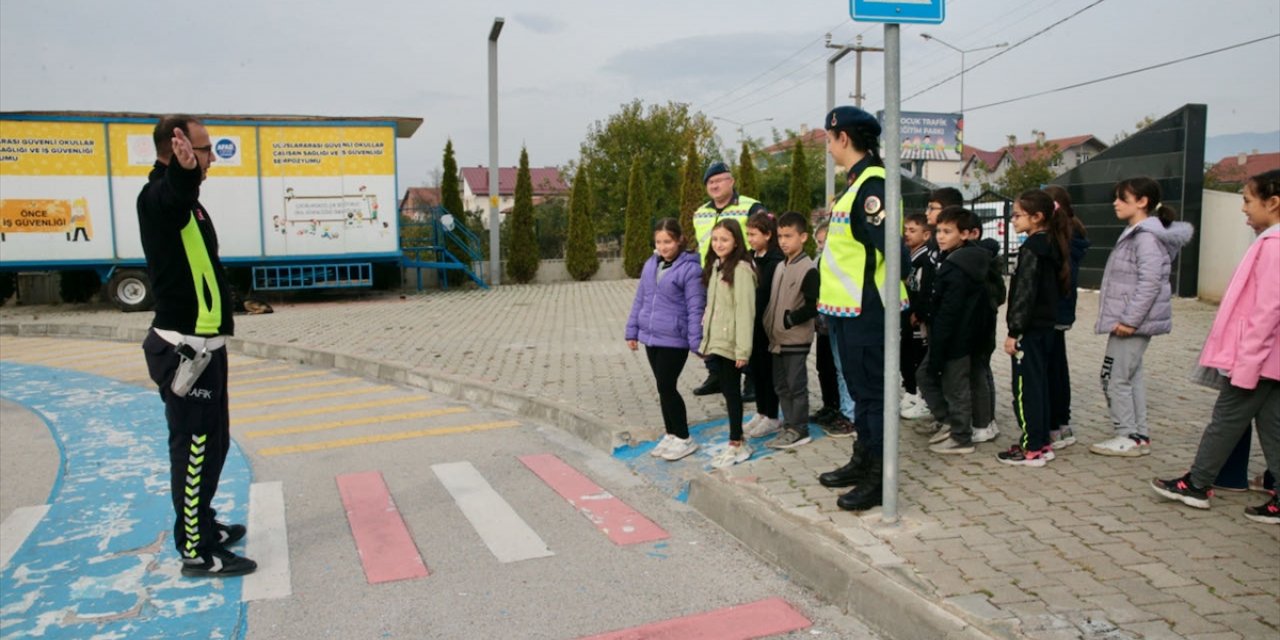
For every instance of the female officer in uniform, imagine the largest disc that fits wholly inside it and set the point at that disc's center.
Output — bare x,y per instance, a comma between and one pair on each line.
852,273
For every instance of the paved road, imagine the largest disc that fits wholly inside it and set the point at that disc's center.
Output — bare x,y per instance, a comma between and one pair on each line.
325,444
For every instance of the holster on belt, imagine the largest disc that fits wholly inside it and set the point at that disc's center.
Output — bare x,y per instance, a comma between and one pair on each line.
194,354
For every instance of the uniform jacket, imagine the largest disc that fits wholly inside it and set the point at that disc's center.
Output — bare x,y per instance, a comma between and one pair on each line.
669,313
730,315
1245,338
1135,286
793,306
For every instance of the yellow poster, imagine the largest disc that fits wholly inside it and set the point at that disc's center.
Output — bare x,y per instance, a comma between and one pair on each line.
327,151
70,217
32,148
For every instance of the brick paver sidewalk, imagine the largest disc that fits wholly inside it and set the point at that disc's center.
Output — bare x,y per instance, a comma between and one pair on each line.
1080,548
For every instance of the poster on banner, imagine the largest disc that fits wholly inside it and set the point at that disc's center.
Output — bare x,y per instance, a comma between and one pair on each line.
53,191
930,136
328,190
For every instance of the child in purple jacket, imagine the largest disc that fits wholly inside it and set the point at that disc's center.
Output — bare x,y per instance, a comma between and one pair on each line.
666,318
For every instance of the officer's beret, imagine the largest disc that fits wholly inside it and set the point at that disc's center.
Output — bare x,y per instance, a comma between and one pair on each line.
849,117
715,169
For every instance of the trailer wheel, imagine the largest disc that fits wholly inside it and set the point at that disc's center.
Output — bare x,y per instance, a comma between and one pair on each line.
131,290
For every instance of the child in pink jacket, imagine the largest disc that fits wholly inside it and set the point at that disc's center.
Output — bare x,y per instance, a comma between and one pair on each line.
1243,353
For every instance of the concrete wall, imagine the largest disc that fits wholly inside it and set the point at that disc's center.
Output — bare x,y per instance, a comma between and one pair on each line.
1224,238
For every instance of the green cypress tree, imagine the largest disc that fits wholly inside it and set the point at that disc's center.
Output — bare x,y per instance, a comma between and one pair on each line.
747,180
451,200
637,245
580,252
799,194
692,192
522,257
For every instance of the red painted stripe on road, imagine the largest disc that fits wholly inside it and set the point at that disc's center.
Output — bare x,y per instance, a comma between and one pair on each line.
743,622
620,522
386,549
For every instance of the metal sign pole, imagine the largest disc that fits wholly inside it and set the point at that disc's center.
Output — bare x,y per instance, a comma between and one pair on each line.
893,265
495,253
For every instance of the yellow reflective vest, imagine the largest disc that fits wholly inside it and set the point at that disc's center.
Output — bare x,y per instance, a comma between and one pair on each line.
844,259
706,217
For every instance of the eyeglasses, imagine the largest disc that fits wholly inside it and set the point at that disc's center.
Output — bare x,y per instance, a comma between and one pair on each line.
208,148
719,180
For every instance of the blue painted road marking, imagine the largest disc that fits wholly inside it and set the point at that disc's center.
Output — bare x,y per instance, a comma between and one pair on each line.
712,437
101,563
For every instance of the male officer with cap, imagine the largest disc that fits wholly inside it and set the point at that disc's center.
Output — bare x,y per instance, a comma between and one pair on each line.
852,272
186,347
725,203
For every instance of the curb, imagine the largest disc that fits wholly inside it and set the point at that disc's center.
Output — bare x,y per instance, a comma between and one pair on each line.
818,561
575,422
813,558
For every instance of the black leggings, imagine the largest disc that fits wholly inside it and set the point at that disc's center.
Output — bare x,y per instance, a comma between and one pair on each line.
828,378
667,363
732,390
761,371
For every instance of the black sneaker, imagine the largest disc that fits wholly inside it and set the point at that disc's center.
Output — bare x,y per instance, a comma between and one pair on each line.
229,534
709,386
1268,513
218,563
1183,491
840,428
824,416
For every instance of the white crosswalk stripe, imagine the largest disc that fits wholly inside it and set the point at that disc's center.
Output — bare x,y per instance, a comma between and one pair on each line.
499,526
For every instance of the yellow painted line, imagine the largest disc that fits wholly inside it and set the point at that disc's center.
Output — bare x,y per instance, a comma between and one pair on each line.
267,417
354,422
309,397
255,368
290,387
51,348
88,355
290,376
387,437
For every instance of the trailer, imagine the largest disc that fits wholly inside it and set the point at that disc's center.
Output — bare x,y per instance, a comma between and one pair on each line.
300,202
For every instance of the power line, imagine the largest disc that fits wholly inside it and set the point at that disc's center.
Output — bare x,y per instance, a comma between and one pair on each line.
1125,73
766,72
1004,50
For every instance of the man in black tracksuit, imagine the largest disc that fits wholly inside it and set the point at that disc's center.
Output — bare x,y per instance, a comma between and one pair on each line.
193,319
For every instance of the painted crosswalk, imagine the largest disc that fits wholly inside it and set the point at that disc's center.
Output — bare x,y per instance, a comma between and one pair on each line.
279,414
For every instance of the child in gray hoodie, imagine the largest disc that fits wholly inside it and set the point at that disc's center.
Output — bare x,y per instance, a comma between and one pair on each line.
1135,304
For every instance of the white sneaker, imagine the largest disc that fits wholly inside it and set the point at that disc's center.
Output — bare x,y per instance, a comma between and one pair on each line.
1121,446
662,446
732,455
679,448
1063,438
752,424
763,427
987,433
914,408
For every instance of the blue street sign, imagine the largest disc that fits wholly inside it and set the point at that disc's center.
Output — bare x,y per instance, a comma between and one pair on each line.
898,11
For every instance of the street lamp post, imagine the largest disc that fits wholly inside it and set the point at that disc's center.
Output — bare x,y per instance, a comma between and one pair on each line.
962,52
495,259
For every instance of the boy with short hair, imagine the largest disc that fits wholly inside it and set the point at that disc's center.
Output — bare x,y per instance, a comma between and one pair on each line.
940,199
916,233
956,331
789,325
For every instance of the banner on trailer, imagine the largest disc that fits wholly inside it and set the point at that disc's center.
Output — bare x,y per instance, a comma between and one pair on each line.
54,200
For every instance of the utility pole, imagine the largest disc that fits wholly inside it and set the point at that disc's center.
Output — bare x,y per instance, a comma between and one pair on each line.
842,51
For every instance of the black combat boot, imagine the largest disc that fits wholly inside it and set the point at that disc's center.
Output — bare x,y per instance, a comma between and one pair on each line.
868,492
850,473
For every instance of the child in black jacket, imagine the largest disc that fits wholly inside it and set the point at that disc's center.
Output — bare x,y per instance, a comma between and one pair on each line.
917,234
957,331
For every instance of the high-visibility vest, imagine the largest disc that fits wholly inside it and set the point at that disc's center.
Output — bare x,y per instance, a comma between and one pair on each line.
706,217
844,259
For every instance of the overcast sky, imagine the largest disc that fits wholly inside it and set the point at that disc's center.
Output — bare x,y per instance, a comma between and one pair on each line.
564,64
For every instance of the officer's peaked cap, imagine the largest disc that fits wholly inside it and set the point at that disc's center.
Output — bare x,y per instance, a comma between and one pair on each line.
849,117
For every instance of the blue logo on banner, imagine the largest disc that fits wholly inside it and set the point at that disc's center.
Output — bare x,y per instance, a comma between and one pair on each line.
226,148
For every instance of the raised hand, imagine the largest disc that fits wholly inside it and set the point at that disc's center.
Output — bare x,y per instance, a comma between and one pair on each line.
182,150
